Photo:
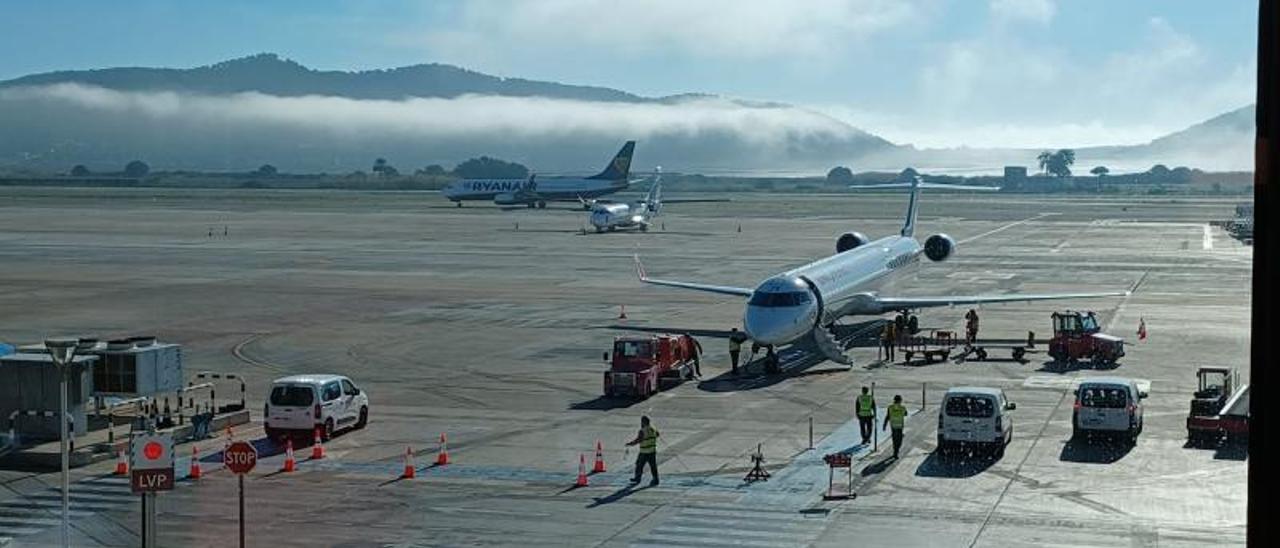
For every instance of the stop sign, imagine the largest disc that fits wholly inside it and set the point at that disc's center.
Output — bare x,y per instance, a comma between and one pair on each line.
240,457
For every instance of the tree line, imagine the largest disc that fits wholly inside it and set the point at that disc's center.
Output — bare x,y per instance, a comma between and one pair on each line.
483,167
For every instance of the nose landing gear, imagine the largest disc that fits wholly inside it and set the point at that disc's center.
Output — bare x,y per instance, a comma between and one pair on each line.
772,364
907,323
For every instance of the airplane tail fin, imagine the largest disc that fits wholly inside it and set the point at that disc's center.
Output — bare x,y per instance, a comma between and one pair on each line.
620,167
909,226
916,185
653,200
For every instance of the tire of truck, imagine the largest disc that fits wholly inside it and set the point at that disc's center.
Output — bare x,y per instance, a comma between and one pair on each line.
668,381
1018,354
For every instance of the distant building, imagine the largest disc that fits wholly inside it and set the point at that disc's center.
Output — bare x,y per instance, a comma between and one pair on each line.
1015,176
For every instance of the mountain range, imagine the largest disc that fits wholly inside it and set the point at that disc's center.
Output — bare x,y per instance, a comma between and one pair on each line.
242,113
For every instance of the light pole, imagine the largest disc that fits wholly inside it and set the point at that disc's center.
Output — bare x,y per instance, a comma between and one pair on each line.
62,351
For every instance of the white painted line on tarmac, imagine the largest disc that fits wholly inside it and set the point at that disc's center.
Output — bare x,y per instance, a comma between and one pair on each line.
1208,237
1005,227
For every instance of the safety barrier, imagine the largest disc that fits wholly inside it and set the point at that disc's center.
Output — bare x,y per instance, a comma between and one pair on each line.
213,392
138,403
191,400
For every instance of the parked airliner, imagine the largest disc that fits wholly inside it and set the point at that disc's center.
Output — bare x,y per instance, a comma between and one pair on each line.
536,192
807,300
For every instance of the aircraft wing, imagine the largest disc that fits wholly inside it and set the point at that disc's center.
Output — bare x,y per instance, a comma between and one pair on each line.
721,289
915,303
912,303
694,200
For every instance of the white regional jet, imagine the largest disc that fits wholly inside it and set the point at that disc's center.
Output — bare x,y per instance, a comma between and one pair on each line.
806,301
612,216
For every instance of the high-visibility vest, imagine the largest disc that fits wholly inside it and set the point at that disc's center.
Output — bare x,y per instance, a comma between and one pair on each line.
897,416
866,406
648,440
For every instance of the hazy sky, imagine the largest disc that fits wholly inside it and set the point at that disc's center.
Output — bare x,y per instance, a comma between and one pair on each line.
929,72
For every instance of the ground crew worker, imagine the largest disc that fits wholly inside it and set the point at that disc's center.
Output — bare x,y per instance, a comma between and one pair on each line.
889,340
866,411
896,419
696,350
970,326
736,338
647,439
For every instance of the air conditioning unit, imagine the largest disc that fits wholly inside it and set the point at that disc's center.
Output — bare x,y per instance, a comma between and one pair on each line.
138,366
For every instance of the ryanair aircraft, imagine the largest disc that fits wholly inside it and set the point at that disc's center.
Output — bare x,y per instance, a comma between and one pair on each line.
533,192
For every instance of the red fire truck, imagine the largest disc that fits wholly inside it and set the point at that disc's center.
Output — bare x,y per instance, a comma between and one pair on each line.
642,364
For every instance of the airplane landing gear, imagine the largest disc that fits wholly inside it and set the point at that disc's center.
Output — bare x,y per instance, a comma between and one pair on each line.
459,204
542,205
907,323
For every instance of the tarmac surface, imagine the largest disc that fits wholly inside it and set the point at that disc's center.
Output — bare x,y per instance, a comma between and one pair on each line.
489,325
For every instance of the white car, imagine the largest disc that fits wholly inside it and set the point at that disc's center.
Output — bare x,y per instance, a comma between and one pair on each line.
1107,405
972,415
302,403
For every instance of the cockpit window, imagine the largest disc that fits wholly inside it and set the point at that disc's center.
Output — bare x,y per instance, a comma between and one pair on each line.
786,298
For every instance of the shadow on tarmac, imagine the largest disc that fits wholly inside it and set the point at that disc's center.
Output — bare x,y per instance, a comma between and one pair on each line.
1095,450
964,464
1232,451
605,403
1223,449
879,467
616,495
1054,366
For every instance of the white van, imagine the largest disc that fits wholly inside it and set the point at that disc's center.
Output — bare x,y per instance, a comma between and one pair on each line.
1107,405
302,403
972,415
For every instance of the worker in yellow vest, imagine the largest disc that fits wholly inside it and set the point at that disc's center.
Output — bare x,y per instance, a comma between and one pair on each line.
896,419
647,439
889,339
866,411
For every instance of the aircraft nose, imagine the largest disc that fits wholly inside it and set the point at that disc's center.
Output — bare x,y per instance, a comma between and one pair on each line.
777,325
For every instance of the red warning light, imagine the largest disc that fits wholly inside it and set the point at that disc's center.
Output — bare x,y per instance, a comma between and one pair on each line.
152,450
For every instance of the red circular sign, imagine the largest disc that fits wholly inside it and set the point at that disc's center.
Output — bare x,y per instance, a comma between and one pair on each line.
152,450
240,457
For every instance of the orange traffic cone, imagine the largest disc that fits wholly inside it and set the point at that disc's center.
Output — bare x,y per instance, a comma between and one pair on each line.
122,465
195,472
409,471
582,471
622,312
599,467
317,446
289,463
443,458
